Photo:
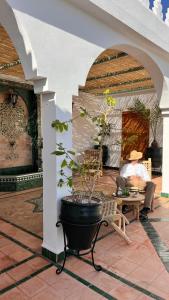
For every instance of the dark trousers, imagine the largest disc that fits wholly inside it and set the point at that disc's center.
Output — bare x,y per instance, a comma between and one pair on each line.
149,189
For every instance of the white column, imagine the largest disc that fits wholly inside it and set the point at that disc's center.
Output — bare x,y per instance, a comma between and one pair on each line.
157,9
165,159
54,106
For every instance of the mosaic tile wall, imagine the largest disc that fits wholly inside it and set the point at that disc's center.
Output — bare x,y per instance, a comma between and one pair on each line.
83,130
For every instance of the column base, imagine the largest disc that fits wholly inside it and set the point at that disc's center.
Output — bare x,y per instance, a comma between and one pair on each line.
52,256
165,195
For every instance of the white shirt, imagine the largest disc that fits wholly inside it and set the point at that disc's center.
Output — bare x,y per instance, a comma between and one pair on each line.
135,170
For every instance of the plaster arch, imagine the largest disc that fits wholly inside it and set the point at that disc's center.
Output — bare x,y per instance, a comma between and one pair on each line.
19,38
147,61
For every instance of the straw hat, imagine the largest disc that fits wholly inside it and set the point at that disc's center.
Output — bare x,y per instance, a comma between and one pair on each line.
134,155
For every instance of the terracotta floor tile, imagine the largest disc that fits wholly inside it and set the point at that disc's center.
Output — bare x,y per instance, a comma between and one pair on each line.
32,286
14,294
6,261
161,283
4,242
154,263
125,293
164,294
144,297
143,276
84,293
124,266
47,294
10,248
66,286
20,272
105,282
137,262
20,254
5,280
37,263
50,276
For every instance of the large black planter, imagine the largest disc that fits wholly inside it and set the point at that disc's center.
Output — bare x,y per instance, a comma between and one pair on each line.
155,153
105,153
81,221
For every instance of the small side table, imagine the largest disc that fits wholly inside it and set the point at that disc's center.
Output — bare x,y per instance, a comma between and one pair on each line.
134,201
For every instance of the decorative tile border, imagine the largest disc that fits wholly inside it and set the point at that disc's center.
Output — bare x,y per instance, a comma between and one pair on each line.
165,195
73,275
17,242
160,247
21,182
49,254
90,285
165,219
14,285
19,178
21,228
17,264
125,281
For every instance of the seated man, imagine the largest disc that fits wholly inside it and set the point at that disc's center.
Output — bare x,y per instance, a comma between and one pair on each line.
134,173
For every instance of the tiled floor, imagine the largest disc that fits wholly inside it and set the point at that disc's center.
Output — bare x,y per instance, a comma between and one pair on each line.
136,271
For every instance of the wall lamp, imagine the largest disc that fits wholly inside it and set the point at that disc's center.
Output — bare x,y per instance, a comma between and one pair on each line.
12,98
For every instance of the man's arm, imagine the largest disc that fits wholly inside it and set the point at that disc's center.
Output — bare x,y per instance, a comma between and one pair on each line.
123,171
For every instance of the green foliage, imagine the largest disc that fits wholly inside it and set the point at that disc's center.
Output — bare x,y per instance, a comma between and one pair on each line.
140,108
153,114
70,162
60,126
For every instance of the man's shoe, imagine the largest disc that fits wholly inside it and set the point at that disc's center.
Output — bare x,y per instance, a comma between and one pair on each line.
145,210
143,217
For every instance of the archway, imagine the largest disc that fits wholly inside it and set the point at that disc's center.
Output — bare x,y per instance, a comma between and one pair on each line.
19,132
128,78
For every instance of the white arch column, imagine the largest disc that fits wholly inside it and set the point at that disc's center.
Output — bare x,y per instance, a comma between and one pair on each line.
164,106
165,159
54,106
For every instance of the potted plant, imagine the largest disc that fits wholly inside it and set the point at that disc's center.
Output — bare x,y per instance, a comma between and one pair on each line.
153,115
81,212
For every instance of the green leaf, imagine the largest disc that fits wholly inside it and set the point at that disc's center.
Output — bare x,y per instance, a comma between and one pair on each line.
82,114
65,126
72,164
71,152
57,152
70,182
64,164
83,111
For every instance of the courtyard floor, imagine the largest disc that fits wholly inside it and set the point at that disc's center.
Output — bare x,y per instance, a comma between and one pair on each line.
136,271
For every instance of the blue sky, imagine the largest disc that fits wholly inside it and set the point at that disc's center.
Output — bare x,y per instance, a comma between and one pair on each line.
165,4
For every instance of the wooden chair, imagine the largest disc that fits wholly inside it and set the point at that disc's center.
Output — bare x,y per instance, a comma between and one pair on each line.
93,162
114,216
111,213
148,165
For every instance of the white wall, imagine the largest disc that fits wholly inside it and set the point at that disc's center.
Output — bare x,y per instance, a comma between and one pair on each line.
57,42
83,129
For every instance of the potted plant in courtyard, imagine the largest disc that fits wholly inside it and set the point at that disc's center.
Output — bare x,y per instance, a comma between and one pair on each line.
81,212
153,115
